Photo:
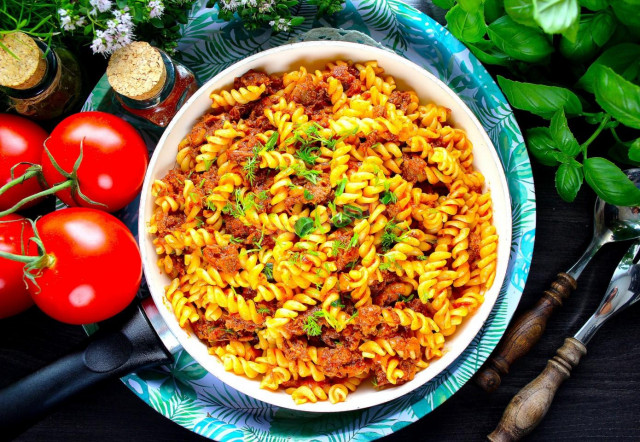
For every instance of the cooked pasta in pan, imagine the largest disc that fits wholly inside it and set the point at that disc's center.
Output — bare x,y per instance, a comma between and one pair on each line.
324,228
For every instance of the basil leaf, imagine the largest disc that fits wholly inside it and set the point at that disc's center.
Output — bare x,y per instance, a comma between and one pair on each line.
487,52
520,42
493,9
619,97
627,13
271,142
541,145
610,183
467,26
562,136
353,211
594,31
470,5
539,99
594,5
620,152
444,4
634,150
619,58
568,181
303,226
555,16
521,11
341,185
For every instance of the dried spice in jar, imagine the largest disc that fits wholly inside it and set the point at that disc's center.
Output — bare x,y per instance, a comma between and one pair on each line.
148,83
41,83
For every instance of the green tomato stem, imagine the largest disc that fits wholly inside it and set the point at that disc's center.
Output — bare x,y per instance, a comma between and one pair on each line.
29,173
54,189
594,135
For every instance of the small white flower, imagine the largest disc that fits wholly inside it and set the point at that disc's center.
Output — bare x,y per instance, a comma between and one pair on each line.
62,12
98,46
156,8
266,6
101,5
112,24
230,5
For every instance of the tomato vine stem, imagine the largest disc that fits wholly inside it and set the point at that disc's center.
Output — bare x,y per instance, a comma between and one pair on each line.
54,189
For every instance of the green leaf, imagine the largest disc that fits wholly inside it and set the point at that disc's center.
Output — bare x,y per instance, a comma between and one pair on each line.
619,97
619,58
539,99
466,26
470,5
562,136
488,53
610,183
444,4
620,152
627,13
493,10
594,31
568,181
157,23
521,11
303,226
594,5
555,16
634,150
542,146
520,42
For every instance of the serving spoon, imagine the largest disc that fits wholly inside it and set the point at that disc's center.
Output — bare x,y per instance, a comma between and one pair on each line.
530,405
611,224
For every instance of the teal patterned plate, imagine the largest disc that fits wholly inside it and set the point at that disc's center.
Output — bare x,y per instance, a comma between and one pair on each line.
184,391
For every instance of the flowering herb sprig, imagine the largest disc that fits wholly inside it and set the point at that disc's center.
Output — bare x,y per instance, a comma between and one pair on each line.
111,24
276,14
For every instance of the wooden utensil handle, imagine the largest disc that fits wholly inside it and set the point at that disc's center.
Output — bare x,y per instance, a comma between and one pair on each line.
523,334
527,408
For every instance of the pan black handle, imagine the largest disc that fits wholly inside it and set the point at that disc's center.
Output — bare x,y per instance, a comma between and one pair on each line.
112,353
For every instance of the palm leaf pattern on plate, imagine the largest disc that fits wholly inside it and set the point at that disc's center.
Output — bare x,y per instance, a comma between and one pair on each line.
187,394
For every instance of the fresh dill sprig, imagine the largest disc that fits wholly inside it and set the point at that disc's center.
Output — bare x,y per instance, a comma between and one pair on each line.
268,271
389,238
310,175
243,203
263,310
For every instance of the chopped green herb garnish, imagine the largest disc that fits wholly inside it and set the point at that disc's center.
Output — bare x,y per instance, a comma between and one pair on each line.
313,253
340,219
200,222
354,212
421,258
243,203
341,185
271,142
388,197
304,226
268,271
336,246
193,197
306,154
294,258
201,183
310,175
235,240
263,195
389,238
311,326
207,165
337,303
263,310
403,298
308,195
354,241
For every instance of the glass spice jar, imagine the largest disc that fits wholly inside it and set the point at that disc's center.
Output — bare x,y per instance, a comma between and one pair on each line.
41,83
148,83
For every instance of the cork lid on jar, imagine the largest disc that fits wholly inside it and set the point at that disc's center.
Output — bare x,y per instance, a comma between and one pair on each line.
137,71
23,66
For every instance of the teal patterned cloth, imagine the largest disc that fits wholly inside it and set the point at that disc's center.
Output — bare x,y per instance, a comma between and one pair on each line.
184,391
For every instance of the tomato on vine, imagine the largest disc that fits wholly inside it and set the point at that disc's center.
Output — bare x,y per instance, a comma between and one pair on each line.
15,232
21,146
92,159
84,265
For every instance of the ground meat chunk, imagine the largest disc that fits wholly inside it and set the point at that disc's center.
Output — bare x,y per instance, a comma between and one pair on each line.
321,190
346,254
224,259
330,336
236,323
400,99
340,362
305,92
406,348
408,367
416,305
348,76
390,294
178,264
474,247
296,350
413,168
295,326
369,317
212,331
168,222
256,78
263,181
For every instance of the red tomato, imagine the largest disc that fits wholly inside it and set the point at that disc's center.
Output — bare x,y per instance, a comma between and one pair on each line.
15,231
20,140
114,159
97,268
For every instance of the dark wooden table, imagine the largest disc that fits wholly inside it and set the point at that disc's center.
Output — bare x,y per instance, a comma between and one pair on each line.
600,400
